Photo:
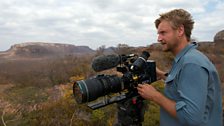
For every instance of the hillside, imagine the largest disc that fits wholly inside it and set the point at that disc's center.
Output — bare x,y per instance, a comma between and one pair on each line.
38,49
36,82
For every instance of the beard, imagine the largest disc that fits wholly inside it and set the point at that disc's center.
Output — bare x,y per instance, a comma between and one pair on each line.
170,45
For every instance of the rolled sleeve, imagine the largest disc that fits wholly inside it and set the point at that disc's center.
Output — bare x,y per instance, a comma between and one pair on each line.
180,105
192,90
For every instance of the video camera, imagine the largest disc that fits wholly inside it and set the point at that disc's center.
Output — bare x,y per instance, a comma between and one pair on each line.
135,69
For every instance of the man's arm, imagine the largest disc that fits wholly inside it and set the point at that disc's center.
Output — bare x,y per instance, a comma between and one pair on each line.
192,90
150,93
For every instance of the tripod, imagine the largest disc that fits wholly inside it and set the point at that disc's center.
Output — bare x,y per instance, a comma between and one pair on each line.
130,112
131,108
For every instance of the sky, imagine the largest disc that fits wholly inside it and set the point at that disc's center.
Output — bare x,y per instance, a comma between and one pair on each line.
95,23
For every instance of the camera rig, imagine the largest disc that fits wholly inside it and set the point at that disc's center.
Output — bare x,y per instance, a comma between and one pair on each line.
136,70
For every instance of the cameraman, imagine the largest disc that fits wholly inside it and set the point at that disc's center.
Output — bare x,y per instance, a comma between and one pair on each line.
192,95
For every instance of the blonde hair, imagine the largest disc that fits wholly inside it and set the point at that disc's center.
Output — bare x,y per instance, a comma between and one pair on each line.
178,17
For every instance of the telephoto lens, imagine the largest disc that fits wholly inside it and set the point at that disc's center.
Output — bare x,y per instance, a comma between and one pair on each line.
92,88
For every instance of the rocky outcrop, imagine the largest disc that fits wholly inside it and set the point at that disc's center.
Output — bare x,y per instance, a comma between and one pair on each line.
39,49
219,40
219,37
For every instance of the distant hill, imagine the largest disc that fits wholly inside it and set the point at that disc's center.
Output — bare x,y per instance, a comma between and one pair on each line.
39,49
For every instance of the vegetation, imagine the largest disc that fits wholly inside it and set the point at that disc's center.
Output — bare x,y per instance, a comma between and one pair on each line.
39,92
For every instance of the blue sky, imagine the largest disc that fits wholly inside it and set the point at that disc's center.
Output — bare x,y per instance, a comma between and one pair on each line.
100,22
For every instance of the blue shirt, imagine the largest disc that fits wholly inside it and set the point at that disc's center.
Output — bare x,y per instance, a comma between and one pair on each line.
193,83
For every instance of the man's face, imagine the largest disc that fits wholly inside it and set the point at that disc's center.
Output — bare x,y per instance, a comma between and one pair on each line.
167,36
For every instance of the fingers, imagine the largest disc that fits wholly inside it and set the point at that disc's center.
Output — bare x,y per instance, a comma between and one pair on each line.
142,88
145,88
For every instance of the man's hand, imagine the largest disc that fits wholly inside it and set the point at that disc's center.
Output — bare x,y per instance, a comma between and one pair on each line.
147,91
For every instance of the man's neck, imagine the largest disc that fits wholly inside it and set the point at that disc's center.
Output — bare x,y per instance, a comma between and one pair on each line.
182,44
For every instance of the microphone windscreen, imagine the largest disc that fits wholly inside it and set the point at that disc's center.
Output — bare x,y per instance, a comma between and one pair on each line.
101,63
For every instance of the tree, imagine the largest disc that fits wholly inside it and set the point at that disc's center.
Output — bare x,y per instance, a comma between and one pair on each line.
123,49
100,50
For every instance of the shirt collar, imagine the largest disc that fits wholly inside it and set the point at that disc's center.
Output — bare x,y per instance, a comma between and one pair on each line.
185,50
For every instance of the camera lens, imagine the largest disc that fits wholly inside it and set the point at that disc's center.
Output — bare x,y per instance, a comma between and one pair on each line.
79,91
90,89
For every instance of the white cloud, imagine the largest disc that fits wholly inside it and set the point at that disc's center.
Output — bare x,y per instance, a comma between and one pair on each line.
99,22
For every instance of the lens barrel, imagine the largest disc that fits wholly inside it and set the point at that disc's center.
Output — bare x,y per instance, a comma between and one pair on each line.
92,88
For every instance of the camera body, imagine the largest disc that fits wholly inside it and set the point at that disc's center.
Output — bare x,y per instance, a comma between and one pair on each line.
135,70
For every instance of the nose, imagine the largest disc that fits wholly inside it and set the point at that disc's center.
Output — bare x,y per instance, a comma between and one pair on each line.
159,38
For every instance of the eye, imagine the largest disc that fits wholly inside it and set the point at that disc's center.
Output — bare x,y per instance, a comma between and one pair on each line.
162,32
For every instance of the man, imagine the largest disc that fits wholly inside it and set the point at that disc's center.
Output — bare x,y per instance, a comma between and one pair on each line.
192,94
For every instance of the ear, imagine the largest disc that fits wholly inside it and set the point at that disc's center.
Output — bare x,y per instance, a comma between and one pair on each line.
180,30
